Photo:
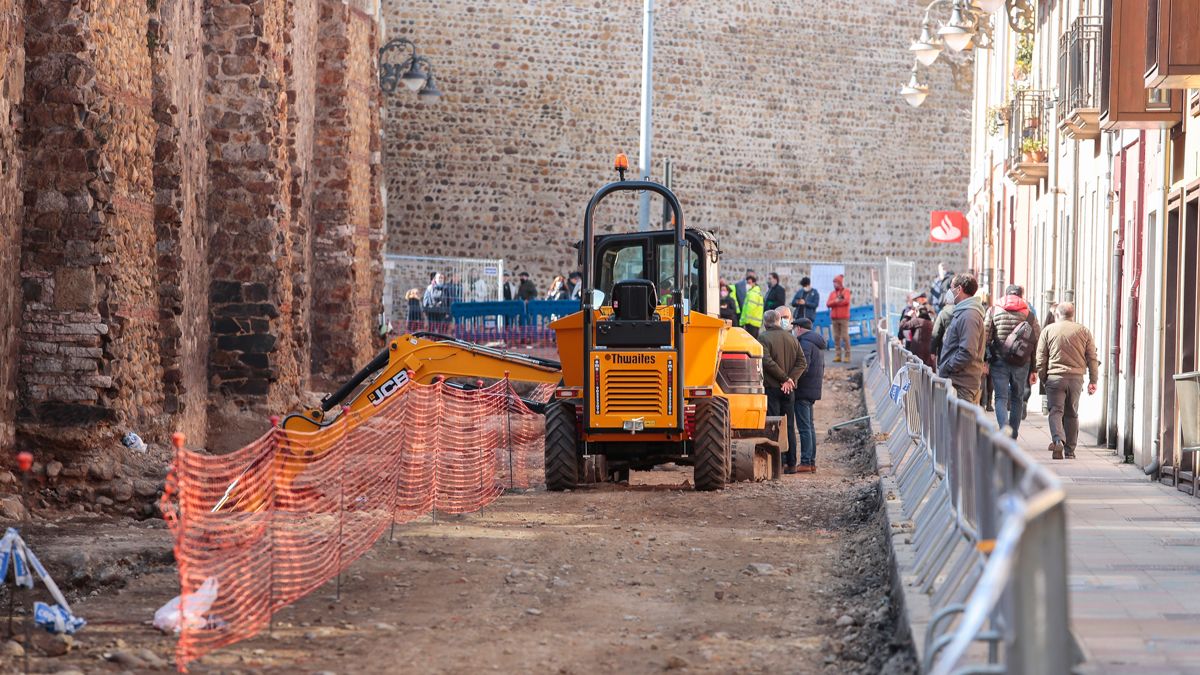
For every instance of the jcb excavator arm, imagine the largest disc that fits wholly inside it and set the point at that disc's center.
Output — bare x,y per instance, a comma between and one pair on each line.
419,357
423,357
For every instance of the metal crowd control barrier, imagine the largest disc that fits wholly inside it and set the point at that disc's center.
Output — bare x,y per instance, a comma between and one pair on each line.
989,528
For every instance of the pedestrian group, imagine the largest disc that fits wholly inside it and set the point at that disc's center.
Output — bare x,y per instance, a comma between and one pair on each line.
994,353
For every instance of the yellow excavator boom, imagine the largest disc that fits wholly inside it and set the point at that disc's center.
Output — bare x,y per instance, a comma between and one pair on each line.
417,357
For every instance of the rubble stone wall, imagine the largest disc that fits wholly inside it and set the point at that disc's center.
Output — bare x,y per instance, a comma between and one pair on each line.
89,355
783,122
181,185
250,208
12,86
302,110
348,232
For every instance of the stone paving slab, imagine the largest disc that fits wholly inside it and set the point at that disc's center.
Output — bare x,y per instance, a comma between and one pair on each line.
1134,549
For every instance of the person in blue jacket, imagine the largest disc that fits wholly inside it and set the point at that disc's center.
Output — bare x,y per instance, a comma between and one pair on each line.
806,300
808,392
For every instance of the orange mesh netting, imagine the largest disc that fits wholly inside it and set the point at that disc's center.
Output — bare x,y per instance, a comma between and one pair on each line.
279,518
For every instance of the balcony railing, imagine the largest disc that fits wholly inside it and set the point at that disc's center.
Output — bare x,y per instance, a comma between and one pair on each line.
1079,56
1028,140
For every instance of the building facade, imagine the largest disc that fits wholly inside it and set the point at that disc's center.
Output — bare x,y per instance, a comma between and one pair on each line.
1085,187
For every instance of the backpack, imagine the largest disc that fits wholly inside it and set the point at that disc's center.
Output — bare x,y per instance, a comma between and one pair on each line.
1018,346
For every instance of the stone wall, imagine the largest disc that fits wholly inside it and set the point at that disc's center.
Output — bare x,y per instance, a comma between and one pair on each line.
783,121
348,231
181,184
163,185
12,86
89,344
250,207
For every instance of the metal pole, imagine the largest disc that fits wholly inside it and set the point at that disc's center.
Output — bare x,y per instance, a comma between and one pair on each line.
647,100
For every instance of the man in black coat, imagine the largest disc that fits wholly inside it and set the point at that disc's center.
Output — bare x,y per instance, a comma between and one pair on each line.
776,293
526,290
808,392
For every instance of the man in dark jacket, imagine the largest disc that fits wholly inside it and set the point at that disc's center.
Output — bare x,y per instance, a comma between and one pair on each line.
776,293
526,290
961,360
1010,373
808,392
783,364
806,301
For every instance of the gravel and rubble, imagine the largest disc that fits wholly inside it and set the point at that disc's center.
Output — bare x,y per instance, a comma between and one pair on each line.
788,576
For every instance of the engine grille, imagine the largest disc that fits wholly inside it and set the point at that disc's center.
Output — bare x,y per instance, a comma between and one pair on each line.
633,392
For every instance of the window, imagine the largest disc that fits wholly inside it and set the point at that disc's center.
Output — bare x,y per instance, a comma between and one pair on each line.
666,274
621,263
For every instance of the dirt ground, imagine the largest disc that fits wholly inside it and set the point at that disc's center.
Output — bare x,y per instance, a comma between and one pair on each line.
788,576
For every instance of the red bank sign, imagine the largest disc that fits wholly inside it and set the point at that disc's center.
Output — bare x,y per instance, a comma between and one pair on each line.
947,227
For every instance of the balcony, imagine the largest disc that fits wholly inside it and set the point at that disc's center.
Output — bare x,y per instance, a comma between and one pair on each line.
1028,153
1172,47
1125,102
1079,51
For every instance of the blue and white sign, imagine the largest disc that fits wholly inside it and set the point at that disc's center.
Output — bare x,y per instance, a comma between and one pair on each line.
900,386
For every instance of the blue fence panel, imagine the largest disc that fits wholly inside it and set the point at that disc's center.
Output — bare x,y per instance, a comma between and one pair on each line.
862,325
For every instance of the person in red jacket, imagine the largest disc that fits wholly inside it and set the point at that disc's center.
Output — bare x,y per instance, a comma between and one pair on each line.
839,314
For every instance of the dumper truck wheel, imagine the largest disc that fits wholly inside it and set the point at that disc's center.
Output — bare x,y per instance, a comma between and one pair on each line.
710,444
562,453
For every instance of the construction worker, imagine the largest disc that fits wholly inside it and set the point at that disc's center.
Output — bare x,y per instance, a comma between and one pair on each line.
753,306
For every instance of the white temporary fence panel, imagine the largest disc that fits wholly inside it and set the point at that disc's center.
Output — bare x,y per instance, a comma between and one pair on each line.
473,280
820,272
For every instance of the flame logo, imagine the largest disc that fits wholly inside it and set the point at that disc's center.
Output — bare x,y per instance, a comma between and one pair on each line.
946,231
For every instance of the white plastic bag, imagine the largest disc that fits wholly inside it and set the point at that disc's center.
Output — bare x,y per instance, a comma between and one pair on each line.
169,618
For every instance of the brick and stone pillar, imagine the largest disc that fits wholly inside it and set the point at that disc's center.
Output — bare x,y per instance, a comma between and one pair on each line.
347,271
12,78
252,253
89,357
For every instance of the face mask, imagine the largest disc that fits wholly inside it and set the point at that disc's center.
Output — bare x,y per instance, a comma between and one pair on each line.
916,304
785,324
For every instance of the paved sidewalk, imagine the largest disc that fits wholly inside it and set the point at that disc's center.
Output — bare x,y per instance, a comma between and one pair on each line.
1134,561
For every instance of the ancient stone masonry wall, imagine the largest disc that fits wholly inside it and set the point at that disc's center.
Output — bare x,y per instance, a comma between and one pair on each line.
175,40
783,121
348,231
89,345
302,82
252,252
12,86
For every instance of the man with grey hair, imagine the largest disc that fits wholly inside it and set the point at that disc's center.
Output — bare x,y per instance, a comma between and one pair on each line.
783,364
1065,352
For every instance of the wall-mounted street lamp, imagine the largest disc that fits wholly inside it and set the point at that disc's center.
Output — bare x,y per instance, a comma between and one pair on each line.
968,26
415,72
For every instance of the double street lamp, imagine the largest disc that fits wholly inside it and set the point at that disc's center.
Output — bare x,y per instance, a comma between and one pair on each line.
415,72
968,26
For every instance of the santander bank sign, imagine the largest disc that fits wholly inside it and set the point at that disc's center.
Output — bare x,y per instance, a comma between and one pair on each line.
947,227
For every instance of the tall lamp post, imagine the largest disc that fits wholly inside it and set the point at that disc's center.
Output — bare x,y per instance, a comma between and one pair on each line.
647,113
415,72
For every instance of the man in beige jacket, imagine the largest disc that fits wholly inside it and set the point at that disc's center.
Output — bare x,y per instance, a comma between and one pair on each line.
1065,352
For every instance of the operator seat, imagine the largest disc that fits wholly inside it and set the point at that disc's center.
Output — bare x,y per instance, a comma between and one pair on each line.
634,300
634,324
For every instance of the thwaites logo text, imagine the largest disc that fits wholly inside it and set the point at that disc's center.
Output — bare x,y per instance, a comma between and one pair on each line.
393,385
633,359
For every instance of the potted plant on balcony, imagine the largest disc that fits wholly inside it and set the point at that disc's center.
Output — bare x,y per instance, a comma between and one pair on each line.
1033,151
1024,58
997,118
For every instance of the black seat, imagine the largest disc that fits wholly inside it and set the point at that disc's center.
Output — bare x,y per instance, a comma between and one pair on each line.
634,300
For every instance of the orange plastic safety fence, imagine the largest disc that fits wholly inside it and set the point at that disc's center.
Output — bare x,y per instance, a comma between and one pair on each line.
279,518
